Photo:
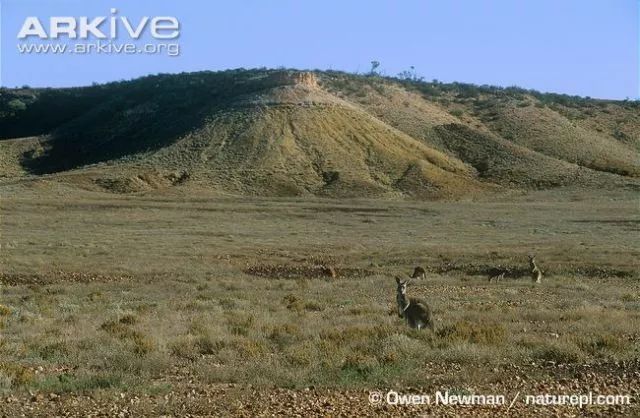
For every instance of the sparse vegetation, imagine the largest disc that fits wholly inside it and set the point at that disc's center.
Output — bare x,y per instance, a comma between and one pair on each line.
147,280
149,116
112,334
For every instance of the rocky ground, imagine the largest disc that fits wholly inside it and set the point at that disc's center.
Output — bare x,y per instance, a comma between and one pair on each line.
190,399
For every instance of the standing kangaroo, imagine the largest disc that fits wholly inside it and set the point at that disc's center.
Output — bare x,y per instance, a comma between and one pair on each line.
415,311
419,273
536,273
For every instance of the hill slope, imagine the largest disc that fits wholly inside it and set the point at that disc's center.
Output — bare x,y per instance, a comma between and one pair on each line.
327,134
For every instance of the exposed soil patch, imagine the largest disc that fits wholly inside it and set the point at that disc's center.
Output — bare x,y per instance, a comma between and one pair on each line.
601,272
15,279
305,271
143,182
519,270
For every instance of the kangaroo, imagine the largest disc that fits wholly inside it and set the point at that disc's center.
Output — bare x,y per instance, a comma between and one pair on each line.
414,311
419,273
328,271
497,273
536,273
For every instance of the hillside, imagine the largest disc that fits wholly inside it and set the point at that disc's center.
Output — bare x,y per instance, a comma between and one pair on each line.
287,133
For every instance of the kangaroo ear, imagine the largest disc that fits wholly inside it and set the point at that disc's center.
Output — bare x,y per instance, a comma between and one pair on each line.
397,279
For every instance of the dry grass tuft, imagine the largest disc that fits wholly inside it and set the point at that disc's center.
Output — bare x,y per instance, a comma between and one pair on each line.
4,311
464,331
142,344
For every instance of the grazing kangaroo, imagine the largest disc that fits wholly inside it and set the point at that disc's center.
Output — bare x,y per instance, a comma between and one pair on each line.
497,273
419,273
414,311
328,271
536,273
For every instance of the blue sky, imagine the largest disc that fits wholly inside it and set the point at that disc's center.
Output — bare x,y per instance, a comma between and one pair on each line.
584,47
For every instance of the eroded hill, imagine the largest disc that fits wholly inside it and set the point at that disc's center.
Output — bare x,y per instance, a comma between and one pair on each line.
323,133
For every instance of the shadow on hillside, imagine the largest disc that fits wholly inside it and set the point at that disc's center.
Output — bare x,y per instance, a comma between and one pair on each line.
103,135
127,118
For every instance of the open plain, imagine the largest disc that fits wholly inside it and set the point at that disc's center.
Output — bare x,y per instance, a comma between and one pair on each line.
214,305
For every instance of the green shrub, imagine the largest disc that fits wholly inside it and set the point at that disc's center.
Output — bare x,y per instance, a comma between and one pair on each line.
17,105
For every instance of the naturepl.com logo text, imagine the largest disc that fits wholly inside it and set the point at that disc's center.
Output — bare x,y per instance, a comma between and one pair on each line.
99,35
